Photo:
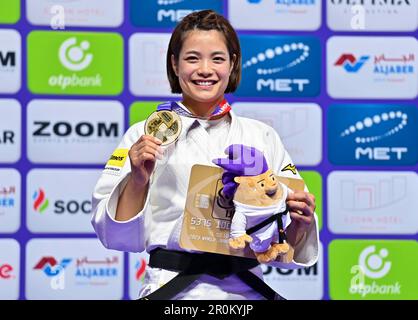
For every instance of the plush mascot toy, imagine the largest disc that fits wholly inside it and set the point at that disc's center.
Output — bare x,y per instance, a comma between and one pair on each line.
261,215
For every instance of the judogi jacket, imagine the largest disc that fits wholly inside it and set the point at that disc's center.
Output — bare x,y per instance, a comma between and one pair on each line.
159,223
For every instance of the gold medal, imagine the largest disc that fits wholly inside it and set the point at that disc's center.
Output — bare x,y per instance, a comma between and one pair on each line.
164,125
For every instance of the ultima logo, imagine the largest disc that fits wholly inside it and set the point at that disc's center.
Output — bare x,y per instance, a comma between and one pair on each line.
372,2
40,202
372,134
51,267
287,66
350,63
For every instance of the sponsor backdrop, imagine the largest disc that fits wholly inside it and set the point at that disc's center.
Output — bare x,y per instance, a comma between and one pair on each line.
338,80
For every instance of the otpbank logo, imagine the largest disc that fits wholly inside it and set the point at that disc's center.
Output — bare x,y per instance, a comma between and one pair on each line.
40,201
167,13
78,63
367,270
371,134
280,66
51,267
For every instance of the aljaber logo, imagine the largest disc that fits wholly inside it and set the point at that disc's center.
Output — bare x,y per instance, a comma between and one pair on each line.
73,57
372,134
350,63
167,13
140,267
280,66
40,202
51,267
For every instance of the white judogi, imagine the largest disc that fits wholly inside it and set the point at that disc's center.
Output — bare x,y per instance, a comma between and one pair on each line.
247,216
159,223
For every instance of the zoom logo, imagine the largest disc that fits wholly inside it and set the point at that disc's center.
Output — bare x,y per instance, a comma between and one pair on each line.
80,129
74,57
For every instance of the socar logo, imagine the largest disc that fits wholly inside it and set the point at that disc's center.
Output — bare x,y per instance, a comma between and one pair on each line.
40,202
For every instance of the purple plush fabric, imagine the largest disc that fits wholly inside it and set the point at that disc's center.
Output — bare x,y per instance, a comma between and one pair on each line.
241,161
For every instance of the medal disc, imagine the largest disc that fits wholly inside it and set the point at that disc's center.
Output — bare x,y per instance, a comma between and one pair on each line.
164,125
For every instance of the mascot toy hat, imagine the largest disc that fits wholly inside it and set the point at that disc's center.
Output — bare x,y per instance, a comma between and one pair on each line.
260,202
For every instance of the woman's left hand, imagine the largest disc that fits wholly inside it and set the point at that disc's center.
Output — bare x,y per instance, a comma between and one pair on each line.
301,207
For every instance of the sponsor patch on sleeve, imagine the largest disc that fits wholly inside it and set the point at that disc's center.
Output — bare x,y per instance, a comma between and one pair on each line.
289,167
116,161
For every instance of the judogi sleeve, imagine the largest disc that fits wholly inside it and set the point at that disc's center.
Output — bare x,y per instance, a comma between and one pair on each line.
306,251
127,235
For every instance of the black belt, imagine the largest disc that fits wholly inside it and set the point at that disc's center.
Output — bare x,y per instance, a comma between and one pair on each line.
278,218
193,265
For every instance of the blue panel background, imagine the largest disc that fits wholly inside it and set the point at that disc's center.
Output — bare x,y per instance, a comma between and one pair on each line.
130,27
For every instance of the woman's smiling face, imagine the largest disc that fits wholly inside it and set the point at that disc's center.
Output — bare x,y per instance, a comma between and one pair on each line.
203,69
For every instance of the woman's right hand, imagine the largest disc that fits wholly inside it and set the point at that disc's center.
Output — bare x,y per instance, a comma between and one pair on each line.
143,155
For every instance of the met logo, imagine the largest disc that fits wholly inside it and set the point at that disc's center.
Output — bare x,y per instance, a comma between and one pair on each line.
280,66
372,134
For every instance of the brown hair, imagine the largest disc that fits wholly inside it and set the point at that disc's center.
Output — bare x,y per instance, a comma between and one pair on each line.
204,20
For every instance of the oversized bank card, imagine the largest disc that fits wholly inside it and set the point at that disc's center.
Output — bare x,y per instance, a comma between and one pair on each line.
208,214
